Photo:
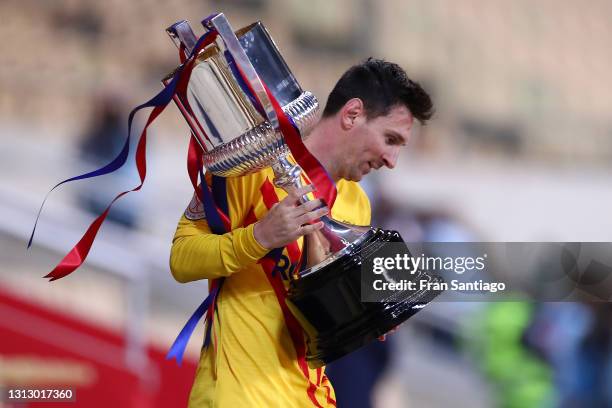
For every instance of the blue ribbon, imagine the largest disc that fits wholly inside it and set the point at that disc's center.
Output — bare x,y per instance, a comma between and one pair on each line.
210,323
219,191
217,227
178,347
210,209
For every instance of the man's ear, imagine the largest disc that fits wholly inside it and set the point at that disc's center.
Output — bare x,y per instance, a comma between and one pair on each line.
352,111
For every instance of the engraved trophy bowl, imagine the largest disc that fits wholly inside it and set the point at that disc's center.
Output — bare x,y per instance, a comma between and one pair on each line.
240,134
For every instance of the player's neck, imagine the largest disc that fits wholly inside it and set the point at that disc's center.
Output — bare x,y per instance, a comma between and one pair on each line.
322,143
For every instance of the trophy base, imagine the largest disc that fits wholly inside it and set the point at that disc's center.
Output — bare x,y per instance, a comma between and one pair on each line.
328,303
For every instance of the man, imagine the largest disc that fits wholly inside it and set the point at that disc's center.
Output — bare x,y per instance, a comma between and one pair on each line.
254,359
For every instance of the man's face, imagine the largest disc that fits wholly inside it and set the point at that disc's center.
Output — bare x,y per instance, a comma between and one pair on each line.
375,143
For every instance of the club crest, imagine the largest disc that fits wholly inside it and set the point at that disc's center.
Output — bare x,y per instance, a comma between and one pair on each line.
195,209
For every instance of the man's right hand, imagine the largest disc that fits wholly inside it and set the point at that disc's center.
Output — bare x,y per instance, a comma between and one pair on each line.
289,219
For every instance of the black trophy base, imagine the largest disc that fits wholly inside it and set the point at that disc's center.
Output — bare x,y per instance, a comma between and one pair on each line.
329,306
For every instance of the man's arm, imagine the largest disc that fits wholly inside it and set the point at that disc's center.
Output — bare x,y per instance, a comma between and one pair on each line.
197,253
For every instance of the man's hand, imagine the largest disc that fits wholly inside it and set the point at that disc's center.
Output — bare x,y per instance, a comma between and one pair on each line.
288,220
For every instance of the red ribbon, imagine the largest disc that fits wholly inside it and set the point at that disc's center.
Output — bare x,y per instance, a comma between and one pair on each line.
268,264
324,185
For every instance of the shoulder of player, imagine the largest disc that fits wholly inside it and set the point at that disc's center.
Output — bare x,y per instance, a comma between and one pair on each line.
350,188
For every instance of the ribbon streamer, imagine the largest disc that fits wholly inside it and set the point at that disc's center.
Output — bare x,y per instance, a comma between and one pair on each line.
79,252
219,224
178,347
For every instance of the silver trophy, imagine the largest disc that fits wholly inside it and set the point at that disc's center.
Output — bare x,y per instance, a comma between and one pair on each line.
235,137
240,136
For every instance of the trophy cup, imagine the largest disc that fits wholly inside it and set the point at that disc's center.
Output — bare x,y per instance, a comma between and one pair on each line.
240,135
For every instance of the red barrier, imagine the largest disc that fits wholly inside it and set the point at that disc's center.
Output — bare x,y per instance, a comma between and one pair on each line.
41,347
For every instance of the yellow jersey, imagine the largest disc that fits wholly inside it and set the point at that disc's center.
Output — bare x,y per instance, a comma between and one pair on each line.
251,361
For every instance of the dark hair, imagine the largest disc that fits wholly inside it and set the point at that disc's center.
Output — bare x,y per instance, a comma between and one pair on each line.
381,85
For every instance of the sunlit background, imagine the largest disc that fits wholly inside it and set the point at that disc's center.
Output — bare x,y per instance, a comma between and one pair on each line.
520,149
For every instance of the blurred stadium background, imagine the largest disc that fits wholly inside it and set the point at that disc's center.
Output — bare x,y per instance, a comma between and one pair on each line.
520,150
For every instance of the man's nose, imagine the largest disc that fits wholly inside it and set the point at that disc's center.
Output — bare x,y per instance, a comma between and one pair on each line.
390,158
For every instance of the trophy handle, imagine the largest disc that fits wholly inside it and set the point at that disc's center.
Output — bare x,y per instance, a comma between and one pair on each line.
181,34
220,23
